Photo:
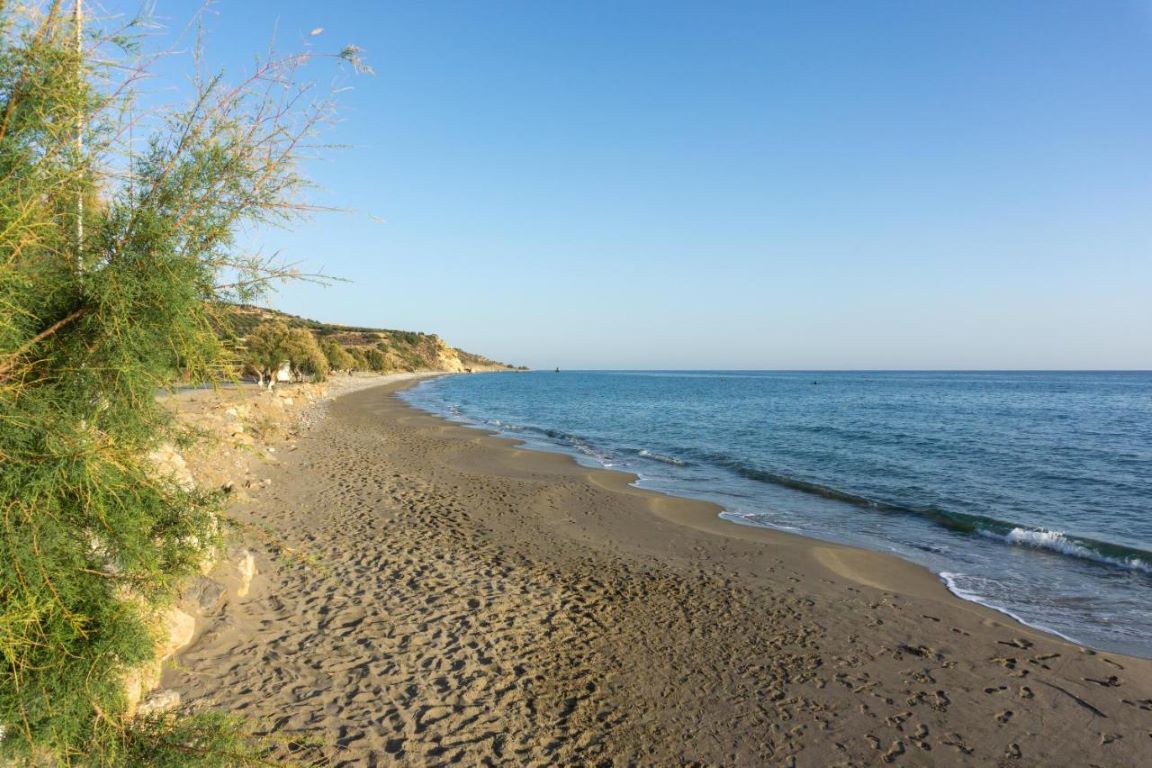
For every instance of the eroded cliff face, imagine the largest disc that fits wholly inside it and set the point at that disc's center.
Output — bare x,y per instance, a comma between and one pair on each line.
453,360
447,358
399,350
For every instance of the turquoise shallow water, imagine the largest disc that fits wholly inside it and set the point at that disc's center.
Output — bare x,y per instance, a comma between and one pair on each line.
1029,492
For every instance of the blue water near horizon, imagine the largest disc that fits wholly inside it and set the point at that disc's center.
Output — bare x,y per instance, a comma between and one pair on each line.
1030,492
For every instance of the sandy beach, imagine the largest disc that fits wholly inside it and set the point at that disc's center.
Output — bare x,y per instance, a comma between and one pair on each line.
433,595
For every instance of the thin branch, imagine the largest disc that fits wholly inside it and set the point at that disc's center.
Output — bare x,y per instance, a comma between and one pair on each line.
14,357
48,23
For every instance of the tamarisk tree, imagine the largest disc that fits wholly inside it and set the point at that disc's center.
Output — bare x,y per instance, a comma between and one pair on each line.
306,356
266,349
112,262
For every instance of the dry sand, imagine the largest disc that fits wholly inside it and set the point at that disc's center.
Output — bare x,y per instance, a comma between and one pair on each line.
433,595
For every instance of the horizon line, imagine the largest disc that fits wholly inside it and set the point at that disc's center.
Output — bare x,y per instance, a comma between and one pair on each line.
841,370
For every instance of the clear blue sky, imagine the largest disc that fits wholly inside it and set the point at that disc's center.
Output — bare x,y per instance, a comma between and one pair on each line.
821,184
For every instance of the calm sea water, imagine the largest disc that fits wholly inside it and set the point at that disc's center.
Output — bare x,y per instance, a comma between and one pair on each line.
1029,492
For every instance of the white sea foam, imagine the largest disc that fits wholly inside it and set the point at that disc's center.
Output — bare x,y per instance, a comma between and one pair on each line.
756,520
1043,571
951,582
661,457
1058,541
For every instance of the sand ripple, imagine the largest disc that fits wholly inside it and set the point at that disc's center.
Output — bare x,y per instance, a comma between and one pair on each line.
431,598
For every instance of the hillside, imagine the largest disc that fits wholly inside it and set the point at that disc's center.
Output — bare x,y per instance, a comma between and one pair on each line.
396,350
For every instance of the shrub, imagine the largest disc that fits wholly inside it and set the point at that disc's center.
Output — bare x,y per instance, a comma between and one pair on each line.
376,360
266,349
305,355
338,357
359,362
110,278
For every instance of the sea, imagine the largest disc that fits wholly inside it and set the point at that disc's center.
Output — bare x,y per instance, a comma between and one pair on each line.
1028,492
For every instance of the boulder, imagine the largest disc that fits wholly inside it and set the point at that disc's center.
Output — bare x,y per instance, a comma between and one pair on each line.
177,629
205,594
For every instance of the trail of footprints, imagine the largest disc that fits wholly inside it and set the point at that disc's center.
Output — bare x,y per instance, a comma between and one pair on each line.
418,637
450,624
443,654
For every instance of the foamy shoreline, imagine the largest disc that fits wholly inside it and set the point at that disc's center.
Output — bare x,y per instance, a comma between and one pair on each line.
464,598
944,510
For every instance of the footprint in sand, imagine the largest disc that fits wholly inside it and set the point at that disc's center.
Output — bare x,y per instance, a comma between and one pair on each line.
956,741
894,751
1005,661
1017,642
1110,682
897,720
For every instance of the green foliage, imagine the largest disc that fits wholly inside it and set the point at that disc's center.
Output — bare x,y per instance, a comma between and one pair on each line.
359,361
272,343
266,349
407,338
202,740
376,360
411,349
338,357
110,275
305,355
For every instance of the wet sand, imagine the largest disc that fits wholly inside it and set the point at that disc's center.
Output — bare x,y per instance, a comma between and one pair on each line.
432,595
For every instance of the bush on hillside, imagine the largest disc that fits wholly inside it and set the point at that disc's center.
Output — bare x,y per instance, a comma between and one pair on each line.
376,360
338,357
358,361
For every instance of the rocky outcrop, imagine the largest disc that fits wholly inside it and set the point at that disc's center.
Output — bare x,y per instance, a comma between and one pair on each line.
240,431
168,463
447,358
